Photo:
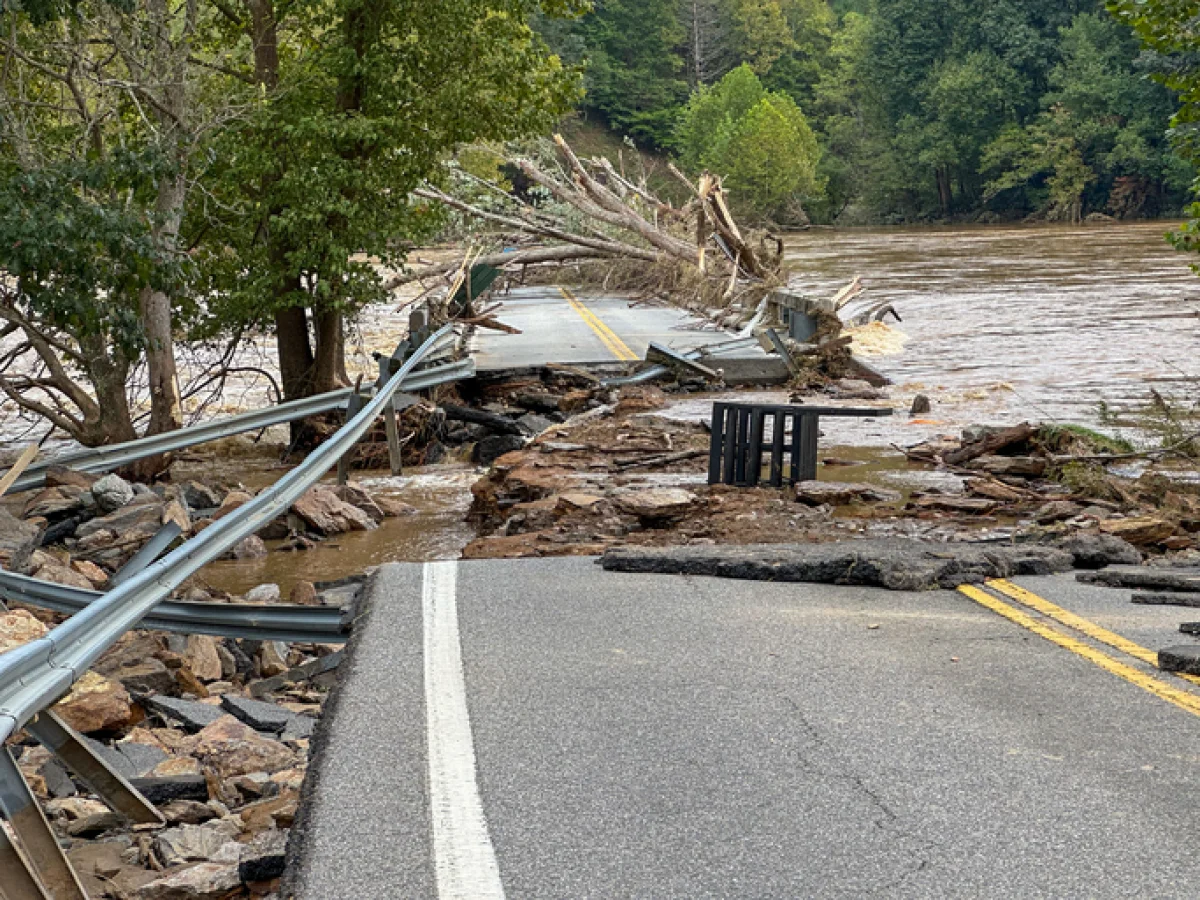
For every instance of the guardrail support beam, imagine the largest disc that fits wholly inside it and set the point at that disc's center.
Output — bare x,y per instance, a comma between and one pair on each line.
16,881
149,552
106,782
391,426
353,405
42,853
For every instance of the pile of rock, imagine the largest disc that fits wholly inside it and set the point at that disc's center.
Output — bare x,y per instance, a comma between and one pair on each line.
214,732
90,526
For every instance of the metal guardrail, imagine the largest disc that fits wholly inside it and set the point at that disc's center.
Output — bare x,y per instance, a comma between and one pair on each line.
97,460
252,621
710,350
37,674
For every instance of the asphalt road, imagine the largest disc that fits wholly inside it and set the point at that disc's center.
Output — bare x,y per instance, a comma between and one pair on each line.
666,737
574,327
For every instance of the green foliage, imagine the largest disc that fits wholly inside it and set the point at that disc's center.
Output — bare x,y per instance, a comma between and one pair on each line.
758,140
317,177
80,250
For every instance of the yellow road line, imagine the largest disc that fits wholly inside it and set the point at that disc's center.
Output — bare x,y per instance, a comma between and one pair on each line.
608,337
1082,625
1155,686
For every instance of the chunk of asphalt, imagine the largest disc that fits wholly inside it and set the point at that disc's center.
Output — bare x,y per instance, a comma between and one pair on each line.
1185,659
141,757
258,714
192,715
263,857
299,728
175,787
302,672
898,564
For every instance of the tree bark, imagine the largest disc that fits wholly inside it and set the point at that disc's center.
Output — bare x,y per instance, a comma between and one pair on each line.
330,372
294,351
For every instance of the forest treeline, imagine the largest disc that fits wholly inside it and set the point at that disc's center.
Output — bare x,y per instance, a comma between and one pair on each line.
899,110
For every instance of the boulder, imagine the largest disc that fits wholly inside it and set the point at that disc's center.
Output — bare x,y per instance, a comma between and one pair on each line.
201,657
193,843
356,496
972,506
95,824
126,523
920,405
150,676
95,703
304,593
263,856
272,658
55,503
61,476
18,540
174,512
176,767
326,513
19,627
203,881
839,493
187,812
202,496
1095,551
1140,531
112,492
57,573
657,504
232,501
393,509
264,593
491,448
1057,511
95,575
232,748
251,547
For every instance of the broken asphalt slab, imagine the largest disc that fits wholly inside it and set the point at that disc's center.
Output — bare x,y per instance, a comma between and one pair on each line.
897,564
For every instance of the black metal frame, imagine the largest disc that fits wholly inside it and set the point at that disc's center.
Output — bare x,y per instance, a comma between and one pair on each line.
735,453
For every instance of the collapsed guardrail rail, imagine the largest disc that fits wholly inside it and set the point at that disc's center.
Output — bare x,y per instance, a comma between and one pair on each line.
36,675
98,460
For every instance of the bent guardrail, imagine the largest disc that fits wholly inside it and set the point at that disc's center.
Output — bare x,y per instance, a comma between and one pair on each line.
39,673
98,460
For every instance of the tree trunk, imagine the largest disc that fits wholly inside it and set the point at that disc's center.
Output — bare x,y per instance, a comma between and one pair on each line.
114,423
330,373
945,191
295,351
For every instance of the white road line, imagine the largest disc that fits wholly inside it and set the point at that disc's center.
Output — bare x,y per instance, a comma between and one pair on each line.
464,859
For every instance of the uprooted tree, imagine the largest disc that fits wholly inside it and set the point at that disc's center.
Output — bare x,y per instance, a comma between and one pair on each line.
570,210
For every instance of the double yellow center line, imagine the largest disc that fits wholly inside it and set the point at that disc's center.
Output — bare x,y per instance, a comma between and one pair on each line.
1157,686
615,345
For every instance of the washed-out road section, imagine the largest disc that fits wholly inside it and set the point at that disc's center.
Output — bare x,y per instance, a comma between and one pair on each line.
653,736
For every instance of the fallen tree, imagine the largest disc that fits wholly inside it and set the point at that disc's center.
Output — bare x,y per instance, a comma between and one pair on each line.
588,212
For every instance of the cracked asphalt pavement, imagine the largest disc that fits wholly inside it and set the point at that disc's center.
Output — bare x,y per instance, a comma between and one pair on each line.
656,736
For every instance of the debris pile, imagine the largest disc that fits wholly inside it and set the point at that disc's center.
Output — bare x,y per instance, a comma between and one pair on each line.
214,732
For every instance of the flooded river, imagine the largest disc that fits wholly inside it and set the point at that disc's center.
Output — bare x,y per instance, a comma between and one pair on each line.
999,325
1006,324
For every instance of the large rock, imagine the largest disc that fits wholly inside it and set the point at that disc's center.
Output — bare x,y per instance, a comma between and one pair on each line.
657,504
55,503
1095,551
203,881
1140,531
126,523
61,476
326,513
56,573
202,658
895,563
193,843
263,857
202,496
839,493
19,627
112,492
150,676
18,540
492,447
356,496
233,748
95,703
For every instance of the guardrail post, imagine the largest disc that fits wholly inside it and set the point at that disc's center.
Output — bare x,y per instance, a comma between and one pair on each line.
390,425
108,784
149,552
16,881
353,405
42,854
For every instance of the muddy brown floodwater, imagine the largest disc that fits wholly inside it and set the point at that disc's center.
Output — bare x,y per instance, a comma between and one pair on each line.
1004,324
999,325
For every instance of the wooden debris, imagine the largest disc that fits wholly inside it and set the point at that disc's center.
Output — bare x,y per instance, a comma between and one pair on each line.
991,444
